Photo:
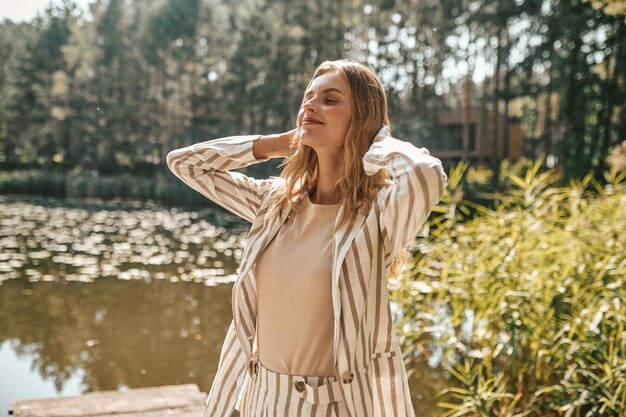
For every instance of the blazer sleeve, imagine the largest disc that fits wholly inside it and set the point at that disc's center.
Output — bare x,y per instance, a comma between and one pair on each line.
228,381
418,183
206,166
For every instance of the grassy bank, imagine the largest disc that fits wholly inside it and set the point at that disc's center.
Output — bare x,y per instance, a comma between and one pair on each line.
164,188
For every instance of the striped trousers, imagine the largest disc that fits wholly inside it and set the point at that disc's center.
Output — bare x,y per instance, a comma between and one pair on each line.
272,394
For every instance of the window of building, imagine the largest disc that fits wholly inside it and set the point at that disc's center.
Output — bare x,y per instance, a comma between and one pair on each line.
450,137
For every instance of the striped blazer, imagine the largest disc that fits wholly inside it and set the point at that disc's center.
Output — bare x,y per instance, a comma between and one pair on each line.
367,356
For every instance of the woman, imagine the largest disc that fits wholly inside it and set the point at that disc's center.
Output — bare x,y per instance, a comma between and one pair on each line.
312,332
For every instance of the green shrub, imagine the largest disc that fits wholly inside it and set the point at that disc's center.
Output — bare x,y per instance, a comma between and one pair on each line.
525,299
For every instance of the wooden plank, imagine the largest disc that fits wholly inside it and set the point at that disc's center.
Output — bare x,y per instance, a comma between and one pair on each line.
170,400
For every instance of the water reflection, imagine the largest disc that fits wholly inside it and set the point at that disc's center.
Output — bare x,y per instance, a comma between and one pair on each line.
116,333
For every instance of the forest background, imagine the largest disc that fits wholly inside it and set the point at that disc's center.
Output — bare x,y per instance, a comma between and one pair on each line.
105,91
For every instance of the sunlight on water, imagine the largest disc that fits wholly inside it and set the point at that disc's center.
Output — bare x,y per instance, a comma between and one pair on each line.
42,241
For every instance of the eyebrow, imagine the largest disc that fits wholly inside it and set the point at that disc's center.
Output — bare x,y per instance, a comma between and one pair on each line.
326,90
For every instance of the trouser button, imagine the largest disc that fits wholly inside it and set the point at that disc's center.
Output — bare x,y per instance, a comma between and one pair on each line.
299,386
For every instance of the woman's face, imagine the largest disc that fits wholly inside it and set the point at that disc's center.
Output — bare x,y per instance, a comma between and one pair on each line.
326,112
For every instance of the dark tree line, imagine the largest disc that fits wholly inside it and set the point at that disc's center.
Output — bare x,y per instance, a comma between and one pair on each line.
112,89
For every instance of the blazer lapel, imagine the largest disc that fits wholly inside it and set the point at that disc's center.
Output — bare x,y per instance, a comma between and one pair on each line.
342,239
244,291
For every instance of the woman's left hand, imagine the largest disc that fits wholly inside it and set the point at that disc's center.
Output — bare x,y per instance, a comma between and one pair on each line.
382,134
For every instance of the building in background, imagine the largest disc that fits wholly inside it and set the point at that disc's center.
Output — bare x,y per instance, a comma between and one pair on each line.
470,134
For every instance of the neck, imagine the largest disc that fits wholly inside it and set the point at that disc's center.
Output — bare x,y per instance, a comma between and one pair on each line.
328,172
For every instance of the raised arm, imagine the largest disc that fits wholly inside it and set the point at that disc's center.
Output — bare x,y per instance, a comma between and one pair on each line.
206,166
419,182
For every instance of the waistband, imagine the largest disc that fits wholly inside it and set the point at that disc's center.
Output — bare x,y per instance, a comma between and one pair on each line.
323,394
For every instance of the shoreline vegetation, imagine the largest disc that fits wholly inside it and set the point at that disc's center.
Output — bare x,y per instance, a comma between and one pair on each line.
159,188
523,304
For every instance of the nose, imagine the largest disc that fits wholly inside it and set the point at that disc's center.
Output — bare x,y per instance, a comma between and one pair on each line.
308,105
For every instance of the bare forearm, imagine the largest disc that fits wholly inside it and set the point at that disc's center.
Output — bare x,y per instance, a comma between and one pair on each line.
271,146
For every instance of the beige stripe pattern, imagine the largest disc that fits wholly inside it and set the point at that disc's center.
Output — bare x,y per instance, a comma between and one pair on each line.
367,357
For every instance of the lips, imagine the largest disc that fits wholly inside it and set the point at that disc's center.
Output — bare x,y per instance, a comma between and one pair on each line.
311,120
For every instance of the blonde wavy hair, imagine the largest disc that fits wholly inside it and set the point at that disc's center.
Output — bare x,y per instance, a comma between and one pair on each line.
356,189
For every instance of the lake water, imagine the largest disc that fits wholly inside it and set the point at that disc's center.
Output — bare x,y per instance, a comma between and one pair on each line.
115,295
